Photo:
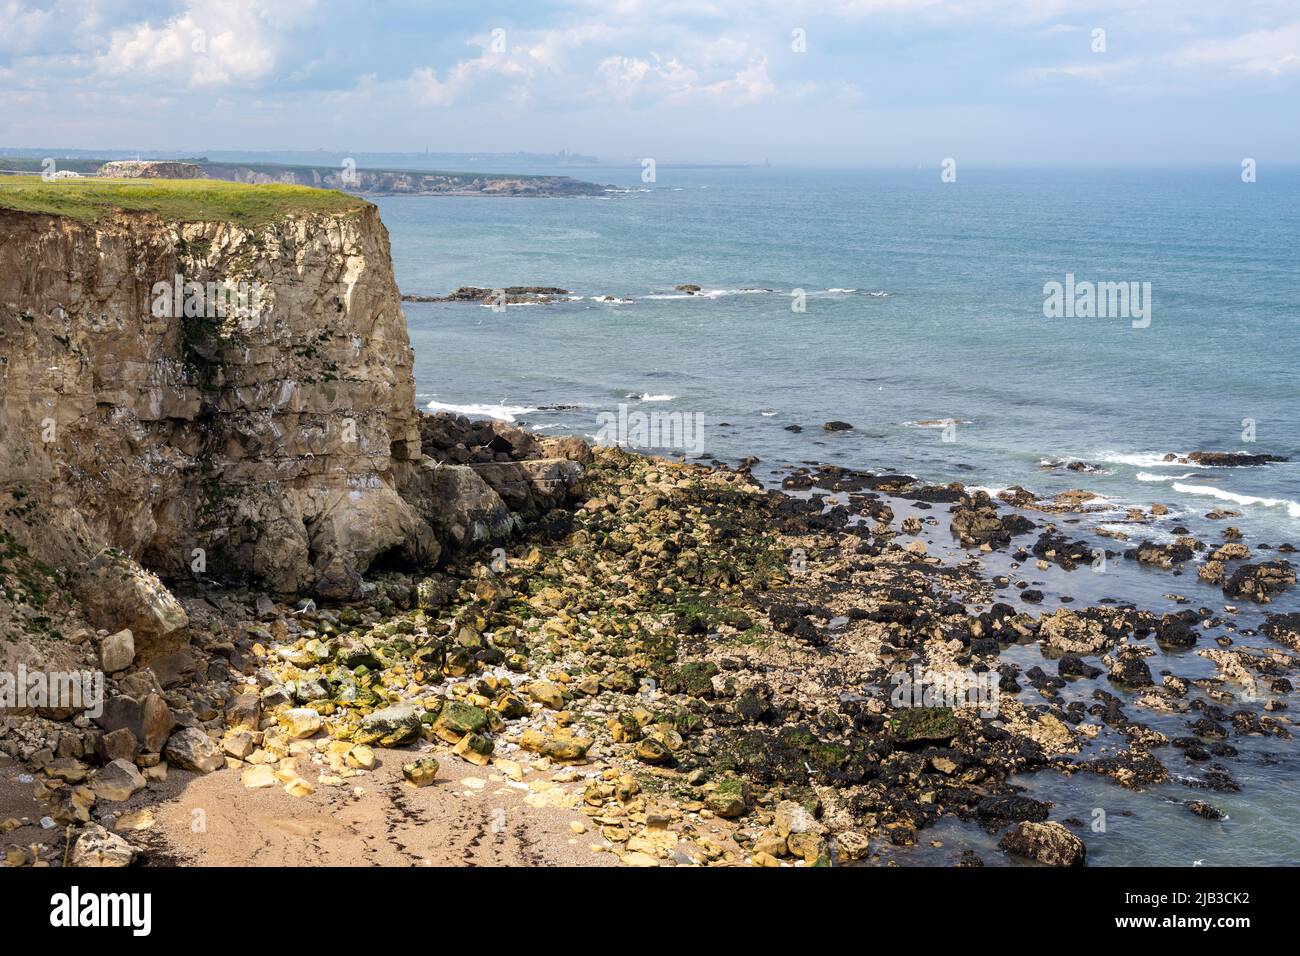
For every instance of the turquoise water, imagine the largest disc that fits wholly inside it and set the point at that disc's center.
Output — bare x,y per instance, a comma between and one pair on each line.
924,301
946,321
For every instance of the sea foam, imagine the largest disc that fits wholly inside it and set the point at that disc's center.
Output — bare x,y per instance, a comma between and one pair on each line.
502,413
1292,507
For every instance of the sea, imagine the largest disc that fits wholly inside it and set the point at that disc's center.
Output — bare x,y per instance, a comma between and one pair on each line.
946,318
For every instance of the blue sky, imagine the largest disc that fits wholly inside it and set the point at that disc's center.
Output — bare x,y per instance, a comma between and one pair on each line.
880,82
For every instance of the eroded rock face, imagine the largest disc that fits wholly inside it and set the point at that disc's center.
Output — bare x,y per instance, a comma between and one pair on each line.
151,169
255,446
459,505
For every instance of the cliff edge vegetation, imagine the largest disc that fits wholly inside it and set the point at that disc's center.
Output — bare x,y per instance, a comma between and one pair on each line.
173,200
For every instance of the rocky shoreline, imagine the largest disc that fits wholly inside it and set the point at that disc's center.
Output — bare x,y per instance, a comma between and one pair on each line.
306,600
703,668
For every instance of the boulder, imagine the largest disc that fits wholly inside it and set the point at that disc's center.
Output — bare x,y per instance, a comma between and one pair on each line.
117,651
1048,843
117,781
148,718
243,712
460,507
1068,631
1164,556
422,772
546,694
532,488
97,847
570,447
118,744
458,719
731,798
390,726
1284,628
117,593
556,747
299,723
192,749
977,522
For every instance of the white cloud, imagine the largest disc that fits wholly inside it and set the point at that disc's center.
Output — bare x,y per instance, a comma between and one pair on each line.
22,29
1098,70
1263,52
213,43
668,79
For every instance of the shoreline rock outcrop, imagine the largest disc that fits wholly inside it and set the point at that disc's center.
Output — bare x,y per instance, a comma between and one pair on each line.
231,403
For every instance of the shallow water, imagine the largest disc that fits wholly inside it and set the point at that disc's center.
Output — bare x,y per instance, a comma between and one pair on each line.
1152,826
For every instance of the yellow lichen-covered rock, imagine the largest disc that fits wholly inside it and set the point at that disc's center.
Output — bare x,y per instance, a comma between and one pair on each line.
422,772
299,723
557,747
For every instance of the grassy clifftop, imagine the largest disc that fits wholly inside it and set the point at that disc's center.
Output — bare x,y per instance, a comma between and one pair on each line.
177,200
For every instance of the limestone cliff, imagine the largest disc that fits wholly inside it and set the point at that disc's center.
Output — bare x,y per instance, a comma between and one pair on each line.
257,445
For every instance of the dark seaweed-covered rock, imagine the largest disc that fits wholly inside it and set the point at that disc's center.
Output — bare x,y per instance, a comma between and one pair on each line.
789,756
1131,769
1054,546
1177,630
792,619
1162,555
1011,807
921,725
1042,680
1208,729
1256,582
1130,670
694,679
1204,810
1072,665
1214,778
934,494
976,521
1284,628
1231,459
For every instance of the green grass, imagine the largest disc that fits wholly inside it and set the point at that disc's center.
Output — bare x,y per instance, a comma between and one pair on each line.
173,200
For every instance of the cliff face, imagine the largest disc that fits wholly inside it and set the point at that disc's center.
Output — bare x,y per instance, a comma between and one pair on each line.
249,423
